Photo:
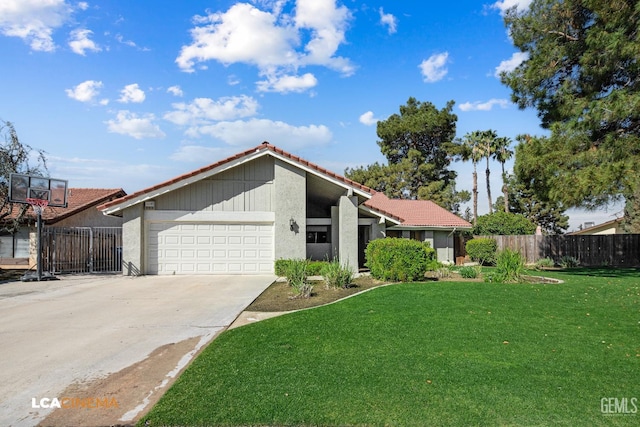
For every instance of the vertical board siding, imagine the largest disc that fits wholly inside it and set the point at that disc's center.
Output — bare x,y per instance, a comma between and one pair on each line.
245,188
617,250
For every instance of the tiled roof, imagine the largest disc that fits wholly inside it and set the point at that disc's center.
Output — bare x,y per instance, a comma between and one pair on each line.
416,213
264,146
78,199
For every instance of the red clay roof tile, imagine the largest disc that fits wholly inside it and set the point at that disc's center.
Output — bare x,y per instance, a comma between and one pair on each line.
78,199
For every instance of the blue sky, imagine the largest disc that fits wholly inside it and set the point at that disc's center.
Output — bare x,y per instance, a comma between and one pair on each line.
127,94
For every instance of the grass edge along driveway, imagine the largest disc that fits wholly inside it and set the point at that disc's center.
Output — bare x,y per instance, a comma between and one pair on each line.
443,353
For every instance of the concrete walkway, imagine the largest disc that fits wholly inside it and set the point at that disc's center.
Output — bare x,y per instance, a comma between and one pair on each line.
55,333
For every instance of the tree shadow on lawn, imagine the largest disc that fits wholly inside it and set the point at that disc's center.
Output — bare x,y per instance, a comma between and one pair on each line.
602,272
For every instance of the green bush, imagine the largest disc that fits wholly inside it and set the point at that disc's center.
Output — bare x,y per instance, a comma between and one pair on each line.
569,262
509,267
398,259
545,263
469,272
503,223
336,275
315,268
482,250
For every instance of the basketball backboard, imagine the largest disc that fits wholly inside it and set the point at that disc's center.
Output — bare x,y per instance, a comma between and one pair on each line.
24,187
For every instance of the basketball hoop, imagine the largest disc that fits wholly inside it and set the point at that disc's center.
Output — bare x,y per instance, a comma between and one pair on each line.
38,205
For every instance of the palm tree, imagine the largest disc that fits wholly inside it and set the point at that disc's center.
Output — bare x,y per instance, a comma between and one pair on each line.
488,146
503,154
469,149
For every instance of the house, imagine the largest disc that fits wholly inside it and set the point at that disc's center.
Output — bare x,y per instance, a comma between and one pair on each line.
18,250
238,215
609,227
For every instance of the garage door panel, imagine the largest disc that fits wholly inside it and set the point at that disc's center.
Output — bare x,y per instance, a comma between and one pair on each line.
182,248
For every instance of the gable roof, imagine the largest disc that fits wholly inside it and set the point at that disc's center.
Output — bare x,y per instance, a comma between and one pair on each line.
410,213
614,223
263,149
78,199
417,213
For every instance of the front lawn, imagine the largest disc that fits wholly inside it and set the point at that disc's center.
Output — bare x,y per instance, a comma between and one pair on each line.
435,353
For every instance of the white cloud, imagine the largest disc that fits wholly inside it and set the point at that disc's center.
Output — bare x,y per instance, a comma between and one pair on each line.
138,127
271,40
206,110
86,91
242,34
388,20
131,93
286,84
83,5
328,25
253,131
484,106
504,5
175,90
80,42
33,21
435,67
368,119
511,64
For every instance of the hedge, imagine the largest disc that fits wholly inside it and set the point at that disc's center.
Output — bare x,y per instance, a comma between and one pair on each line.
398,259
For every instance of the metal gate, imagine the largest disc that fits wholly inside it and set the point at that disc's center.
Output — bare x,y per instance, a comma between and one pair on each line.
82,249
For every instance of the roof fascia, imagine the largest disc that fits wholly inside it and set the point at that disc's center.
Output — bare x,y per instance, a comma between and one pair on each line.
429,227
371,211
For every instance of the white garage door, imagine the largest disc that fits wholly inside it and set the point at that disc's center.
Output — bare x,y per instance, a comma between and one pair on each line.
201,248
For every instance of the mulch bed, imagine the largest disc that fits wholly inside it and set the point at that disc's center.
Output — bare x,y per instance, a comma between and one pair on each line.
281,297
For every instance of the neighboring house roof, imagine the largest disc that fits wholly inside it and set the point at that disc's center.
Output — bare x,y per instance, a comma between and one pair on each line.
416,213
599,228
78,199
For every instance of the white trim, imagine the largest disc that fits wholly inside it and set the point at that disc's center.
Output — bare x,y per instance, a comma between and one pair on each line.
428,227
368,210
210,216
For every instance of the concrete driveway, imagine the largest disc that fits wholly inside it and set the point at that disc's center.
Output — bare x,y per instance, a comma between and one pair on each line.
78,329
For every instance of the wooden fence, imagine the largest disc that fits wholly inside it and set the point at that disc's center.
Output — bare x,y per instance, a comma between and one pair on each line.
618,250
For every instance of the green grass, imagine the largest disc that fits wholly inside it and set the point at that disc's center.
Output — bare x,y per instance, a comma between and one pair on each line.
438,353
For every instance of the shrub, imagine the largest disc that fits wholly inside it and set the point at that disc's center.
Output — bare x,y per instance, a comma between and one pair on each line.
509,267
336,275
569,262
482,250
398,259
469,272
503,223
315,268
545,263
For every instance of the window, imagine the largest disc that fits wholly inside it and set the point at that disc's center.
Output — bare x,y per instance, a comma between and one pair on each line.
318,234
15,245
